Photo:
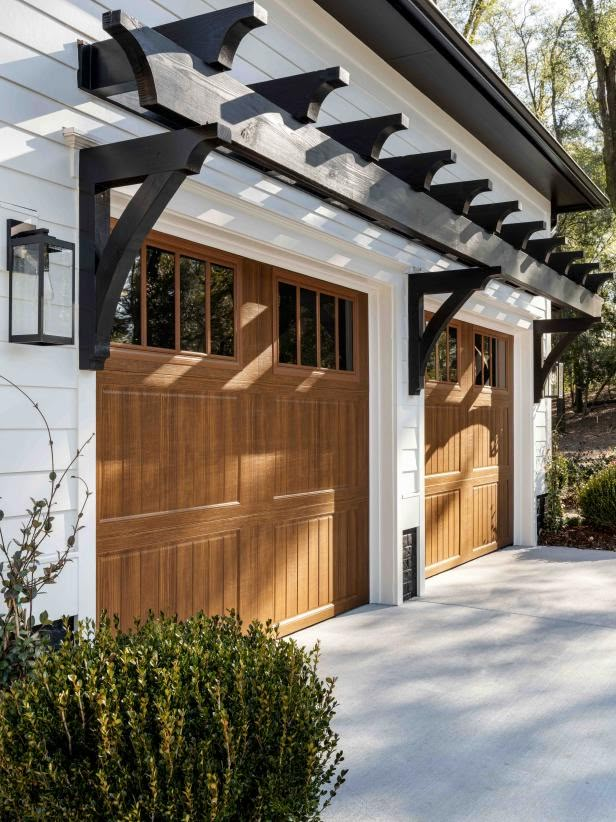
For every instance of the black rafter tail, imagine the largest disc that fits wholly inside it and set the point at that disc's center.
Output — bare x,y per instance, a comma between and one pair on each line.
213,37
579,271
418,169
458,196
302,95
595,281
518,234
542,249
367,137
561,260
490,216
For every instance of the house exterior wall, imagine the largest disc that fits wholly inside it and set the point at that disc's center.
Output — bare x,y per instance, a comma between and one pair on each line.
238,209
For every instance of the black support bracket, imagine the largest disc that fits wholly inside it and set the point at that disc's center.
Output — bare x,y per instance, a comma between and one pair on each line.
460,284
160,163
570,328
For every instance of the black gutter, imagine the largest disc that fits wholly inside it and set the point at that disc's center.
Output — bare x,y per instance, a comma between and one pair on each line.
449,71
437,28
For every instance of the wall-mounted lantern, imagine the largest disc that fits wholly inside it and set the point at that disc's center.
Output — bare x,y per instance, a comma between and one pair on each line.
555,383
41,286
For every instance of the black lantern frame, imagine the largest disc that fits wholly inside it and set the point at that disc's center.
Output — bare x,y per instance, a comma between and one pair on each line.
42,245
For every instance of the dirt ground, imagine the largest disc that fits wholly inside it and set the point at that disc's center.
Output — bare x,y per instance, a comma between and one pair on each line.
582,536
594,433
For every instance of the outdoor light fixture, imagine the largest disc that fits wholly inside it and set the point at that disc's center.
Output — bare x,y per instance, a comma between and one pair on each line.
555,383
41,286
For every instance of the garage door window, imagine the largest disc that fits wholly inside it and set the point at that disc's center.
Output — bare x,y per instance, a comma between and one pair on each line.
177,301
442,364
315,329
490,361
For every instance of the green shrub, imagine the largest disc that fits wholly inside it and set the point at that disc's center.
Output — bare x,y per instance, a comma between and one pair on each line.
580,468
598,498
172,721
556,477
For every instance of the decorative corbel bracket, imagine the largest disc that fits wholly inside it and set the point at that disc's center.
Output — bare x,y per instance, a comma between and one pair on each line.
570,328
214,37
160,163
460,284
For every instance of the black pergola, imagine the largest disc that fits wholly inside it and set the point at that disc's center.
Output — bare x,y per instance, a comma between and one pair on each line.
175,74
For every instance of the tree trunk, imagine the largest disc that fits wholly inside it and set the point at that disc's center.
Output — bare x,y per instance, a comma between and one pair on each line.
578,405
604,55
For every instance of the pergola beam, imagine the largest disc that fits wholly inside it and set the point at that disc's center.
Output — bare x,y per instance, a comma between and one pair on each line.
176,88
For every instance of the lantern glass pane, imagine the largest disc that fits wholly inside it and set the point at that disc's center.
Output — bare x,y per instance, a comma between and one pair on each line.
58,292
25,290
554,388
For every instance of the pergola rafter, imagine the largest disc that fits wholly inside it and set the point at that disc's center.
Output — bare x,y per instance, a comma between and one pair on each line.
175,75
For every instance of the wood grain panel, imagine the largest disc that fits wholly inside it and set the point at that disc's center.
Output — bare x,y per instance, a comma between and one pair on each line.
166,451
238,484
443,434
172,579
485,514
489,431
443,535
469,462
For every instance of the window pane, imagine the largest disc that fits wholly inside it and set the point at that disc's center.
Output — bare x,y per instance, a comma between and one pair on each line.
494,362
431,365
308,325
345,335
192,304
487,372
287,323
441,357
328,331
221,311
501,358
478,359
160,292
127,323
453,354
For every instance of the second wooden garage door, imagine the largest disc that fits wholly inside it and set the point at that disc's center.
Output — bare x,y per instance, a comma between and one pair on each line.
469,430
232,442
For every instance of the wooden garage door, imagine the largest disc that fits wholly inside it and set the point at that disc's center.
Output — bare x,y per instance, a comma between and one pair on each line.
232,442
469,455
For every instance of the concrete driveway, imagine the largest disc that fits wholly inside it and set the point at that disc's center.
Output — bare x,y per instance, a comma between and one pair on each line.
492,698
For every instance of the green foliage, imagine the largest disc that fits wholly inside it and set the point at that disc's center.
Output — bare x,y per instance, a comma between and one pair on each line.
556,478
598,498
172,721
581,468
22,576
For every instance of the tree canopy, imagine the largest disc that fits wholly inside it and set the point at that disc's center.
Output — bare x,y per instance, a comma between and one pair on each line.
560,60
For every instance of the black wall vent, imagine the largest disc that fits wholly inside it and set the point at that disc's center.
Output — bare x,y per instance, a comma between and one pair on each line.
541,498
409,564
